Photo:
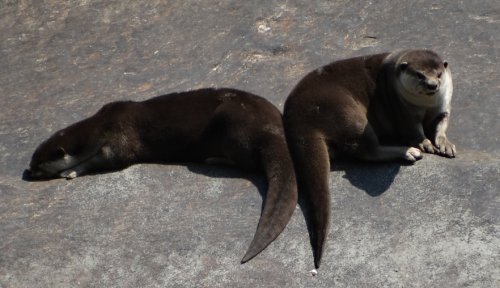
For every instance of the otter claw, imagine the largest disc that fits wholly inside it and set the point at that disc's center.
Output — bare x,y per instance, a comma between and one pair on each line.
426,146
445,147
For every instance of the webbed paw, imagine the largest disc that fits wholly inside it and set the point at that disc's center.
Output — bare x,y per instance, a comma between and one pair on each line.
427,147
445,147
413,154
68,174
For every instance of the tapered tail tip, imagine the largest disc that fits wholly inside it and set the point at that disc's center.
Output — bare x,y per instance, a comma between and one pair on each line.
251,253
317,262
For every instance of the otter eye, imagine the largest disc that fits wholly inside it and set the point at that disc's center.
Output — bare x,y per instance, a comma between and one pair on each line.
58,153
420,76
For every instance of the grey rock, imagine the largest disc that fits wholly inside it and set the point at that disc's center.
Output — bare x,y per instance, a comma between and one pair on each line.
432,224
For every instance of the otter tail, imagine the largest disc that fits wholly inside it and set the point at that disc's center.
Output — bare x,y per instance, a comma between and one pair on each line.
281,198
312,163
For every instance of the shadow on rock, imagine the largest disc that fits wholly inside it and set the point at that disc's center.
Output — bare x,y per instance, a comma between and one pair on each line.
373,178
222,171
215,171
26,176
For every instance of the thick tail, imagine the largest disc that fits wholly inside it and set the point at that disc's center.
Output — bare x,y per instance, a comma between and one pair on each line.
281,198
312,163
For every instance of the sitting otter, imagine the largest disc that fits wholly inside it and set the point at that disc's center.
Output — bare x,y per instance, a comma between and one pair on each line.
377,108
212,125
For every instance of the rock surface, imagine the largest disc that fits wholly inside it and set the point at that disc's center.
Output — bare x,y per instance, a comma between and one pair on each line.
433,224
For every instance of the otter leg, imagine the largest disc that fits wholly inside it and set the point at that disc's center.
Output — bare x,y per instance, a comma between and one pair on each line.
370,149
388,153
418,138
438,131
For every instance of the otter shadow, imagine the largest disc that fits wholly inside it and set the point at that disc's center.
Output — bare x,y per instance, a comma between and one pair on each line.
258,179
373,178
214,171
26,175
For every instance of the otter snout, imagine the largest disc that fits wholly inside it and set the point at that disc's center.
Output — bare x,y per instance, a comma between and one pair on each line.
35,174
38,174
40,171
431,85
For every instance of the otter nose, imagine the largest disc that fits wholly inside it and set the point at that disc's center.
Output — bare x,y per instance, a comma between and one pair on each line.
28,174
431,85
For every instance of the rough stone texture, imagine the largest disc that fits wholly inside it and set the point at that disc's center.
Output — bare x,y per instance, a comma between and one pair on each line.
434,224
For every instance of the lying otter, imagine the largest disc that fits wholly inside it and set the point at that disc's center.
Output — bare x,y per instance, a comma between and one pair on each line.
359,106
208,125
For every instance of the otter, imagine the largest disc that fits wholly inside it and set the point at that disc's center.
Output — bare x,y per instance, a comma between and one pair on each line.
208,125
378,107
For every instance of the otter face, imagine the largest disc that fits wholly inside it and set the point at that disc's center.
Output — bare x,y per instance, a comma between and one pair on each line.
423,79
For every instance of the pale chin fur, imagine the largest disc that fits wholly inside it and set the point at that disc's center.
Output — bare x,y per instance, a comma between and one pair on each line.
407,86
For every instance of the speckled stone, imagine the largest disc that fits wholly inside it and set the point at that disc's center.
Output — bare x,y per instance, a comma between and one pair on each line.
433,224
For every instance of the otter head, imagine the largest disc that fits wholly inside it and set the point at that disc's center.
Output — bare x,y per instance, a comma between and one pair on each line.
422,77
58,155
52,157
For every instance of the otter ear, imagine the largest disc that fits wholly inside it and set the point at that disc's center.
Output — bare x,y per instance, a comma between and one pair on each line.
445,64
403,66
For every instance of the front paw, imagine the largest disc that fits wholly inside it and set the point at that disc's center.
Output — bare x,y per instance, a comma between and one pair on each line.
445,147
68,174
427,147
412,155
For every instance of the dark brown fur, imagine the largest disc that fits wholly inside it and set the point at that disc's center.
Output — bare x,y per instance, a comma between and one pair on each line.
213,125
352,107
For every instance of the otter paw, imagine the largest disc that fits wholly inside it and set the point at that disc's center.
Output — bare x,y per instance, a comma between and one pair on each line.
445,147
412,155
427,147
68,174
